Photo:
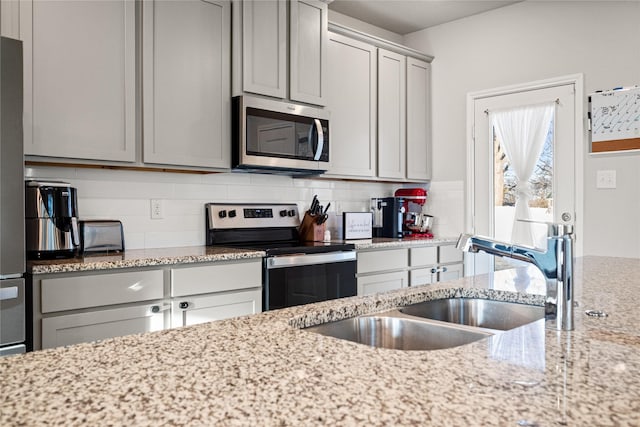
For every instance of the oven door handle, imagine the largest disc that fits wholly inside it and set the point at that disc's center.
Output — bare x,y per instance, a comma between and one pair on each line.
309,259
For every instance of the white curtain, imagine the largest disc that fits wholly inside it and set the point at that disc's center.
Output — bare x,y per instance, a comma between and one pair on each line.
522,132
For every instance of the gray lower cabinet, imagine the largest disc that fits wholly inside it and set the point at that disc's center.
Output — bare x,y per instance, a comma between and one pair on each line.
382,270
237,286
434,264
186,83
71,308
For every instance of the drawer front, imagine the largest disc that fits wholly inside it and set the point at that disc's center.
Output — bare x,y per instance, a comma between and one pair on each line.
450,254
382,283
216,278
422,276
94,290
101,324
207,308
450,272
423,256
395,259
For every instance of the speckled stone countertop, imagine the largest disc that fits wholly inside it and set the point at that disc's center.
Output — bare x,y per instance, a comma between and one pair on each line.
192,254
263,370
142,258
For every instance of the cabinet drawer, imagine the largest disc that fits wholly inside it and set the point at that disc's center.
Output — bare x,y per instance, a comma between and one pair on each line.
101,324
422,276
83,291
450,254
216,278
381,283
207,308
394,259
423,256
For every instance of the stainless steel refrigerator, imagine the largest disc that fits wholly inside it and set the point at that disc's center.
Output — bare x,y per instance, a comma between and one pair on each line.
12,251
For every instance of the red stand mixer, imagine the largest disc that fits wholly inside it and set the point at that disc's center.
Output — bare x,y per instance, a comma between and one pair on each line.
416,223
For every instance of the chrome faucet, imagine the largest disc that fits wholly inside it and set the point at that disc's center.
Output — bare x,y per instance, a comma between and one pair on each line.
556,264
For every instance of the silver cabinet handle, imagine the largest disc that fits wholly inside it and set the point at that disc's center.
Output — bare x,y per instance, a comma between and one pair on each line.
158,308
183,305
444,270
8,293
320,139
434,270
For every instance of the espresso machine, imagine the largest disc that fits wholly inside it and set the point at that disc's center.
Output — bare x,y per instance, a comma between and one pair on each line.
388,215
415,221
51,220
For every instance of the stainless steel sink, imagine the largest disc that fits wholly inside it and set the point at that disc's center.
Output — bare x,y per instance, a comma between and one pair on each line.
399,333
482,313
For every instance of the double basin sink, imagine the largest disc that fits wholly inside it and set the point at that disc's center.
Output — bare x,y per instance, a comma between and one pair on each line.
433,325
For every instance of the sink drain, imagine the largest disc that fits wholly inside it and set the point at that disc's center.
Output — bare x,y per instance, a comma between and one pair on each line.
596,313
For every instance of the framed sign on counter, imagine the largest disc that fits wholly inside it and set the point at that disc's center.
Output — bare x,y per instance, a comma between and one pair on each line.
615,120
357,225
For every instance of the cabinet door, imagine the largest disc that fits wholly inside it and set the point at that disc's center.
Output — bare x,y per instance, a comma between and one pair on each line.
450,272
351,98
264,47
101,324
187,311
423,276
391,114
376,283
10,19
79,82
418,120
308,46
186,83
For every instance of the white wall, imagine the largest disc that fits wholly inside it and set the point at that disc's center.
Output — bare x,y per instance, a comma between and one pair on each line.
532,41
126,195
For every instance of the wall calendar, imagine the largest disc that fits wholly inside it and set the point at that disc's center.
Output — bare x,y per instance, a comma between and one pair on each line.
615,120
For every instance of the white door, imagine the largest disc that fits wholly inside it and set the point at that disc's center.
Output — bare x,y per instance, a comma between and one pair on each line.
492,216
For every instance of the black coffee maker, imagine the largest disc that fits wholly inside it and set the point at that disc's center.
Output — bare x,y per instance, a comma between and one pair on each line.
51,220
388,216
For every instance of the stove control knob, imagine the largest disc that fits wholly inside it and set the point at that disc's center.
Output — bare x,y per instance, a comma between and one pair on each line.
232,213
283,212
291,212
222,214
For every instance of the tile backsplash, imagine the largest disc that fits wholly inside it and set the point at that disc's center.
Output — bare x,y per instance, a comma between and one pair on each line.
126,196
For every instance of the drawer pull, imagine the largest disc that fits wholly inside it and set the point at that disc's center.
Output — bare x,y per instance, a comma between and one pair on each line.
183,305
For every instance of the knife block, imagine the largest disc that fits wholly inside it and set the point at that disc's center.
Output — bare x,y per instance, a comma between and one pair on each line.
309,230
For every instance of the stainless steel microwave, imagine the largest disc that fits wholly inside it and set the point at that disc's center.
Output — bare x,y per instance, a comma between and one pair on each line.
279,137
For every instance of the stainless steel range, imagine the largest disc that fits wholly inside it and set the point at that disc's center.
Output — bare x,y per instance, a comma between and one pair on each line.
294,272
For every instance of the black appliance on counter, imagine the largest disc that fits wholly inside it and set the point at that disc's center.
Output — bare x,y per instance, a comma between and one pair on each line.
51,220
388,216
294,272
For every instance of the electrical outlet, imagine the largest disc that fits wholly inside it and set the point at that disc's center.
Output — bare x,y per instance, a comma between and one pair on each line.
606,179
156,209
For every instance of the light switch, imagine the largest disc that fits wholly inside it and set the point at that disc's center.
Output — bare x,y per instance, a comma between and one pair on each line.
606,179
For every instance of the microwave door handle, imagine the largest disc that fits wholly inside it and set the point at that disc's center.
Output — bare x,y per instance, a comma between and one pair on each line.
320,133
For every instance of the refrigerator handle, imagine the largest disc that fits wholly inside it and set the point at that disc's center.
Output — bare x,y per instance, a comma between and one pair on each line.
8,293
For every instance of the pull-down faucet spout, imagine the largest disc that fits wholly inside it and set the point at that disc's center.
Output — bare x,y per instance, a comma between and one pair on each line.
556,264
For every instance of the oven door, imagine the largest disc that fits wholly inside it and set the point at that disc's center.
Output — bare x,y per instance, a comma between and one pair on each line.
292,280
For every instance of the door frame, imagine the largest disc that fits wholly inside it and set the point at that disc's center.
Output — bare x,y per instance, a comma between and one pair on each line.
578,81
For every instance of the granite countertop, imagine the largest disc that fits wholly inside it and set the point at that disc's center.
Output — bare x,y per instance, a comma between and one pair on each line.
142,258
192,254
264,370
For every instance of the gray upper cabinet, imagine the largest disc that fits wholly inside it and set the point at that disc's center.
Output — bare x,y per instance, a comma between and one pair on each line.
351,98
260,47
308,47
262,39
391,115
418,120
186,83
79,82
